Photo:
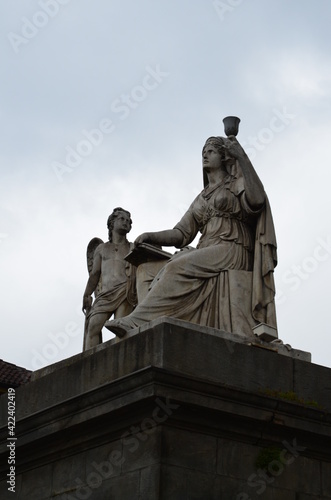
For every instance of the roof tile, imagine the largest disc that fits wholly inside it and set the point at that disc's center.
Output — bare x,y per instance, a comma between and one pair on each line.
12,375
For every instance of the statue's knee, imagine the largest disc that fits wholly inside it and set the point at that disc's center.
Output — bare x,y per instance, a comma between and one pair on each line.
92,332
169,270
94,326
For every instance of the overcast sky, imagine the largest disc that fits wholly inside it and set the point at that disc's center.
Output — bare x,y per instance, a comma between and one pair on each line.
108,103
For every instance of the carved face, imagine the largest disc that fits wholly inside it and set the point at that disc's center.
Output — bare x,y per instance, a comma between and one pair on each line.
211,158
122,223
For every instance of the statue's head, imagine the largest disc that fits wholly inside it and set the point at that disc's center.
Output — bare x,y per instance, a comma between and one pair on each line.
119,213
218,143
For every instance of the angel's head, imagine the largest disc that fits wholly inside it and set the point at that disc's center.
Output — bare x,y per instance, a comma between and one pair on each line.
119,220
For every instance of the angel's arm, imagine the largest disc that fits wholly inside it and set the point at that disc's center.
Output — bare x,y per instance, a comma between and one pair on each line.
93,280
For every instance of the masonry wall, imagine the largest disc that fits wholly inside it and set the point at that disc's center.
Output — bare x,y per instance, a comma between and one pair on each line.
173,412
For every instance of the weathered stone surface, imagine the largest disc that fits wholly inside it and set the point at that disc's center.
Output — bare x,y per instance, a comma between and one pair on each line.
145,274
235,459
303,474
37,483
110,278
227,281
326,478
67,472
141,446
126,487
106,460
198,452
172,412
313,384
150,480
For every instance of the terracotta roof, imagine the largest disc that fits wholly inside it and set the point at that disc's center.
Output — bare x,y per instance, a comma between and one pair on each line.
12,375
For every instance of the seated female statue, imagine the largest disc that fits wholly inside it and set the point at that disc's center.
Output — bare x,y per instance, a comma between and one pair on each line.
227,281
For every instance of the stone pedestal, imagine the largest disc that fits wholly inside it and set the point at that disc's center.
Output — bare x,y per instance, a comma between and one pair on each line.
173,412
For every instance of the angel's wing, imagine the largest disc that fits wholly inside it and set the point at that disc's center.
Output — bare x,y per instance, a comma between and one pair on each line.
91,248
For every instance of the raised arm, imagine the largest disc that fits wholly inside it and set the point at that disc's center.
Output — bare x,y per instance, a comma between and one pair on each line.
168,238
92,282
254,189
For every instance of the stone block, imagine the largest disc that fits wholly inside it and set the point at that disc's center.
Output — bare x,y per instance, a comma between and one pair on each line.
124,487
36,483
304,496
280,494
150,480
229,362
302,475
105,461
265,332
66,473
141,449
326,479
236,459
191,450
236,489
173,483
203,485
312,382
174,411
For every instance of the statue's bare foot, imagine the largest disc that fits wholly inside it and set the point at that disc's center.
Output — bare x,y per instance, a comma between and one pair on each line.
117,326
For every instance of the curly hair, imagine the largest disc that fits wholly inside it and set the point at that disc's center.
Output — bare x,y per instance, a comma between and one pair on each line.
111,220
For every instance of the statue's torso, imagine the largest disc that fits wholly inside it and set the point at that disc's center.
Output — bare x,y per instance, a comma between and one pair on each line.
113,265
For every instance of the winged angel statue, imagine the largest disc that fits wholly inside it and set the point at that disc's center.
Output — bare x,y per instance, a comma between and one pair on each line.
111,278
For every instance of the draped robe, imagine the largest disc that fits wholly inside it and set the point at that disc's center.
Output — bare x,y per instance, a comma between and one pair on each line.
227,281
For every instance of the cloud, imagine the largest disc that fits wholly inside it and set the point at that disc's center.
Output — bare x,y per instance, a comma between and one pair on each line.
262,57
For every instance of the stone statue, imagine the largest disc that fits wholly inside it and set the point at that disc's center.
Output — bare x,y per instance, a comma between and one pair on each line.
227,281
111,278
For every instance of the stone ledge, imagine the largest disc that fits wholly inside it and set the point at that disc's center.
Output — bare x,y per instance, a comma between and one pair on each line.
181,347
215,387
105,413
230,338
